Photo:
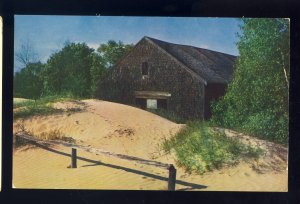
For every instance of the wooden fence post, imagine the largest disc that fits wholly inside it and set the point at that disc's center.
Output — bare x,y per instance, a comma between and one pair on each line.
172,178
74,158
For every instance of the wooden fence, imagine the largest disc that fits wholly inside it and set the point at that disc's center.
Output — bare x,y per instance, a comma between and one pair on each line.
170,167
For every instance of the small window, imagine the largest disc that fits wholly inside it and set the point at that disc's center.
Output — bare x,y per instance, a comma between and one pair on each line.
145,70
152,103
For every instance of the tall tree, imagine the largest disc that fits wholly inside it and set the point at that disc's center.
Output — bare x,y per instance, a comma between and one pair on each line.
68,71
257,99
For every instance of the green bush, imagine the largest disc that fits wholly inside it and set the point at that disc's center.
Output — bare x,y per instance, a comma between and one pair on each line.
200,149
266,126
256,100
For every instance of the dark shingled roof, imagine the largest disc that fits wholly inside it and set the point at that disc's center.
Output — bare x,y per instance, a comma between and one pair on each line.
212,66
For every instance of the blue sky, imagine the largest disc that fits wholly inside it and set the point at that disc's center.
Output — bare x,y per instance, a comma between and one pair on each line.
47,34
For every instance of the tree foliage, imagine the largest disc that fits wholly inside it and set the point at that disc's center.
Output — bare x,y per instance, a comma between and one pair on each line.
74,70
68,71
97,71
28,83
257,98
112,51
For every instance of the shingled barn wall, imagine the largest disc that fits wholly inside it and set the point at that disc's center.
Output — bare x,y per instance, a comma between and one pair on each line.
165,74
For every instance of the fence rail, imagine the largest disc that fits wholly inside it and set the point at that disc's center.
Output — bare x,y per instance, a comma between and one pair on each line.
169,167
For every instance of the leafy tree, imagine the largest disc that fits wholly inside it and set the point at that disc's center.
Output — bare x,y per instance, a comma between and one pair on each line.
97,70
257,98
112,51
28,83
74,70
68,71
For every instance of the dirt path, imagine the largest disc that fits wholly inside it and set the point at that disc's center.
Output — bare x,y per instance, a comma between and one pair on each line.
130,131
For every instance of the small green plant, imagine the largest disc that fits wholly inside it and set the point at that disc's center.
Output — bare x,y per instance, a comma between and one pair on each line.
199,149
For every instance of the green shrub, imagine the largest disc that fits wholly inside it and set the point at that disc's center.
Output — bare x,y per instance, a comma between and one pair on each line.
200,149
266,126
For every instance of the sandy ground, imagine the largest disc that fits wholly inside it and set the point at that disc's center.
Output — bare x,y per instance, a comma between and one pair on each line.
130,131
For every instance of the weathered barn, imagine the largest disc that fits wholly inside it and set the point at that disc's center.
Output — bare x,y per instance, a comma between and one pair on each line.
180,78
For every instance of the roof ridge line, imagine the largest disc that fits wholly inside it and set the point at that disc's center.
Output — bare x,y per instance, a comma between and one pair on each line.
223,53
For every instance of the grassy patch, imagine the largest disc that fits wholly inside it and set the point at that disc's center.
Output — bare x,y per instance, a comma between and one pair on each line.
33,110
199,149
168,115
43,106
22,102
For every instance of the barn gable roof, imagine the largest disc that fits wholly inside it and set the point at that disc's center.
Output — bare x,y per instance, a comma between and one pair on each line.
212,66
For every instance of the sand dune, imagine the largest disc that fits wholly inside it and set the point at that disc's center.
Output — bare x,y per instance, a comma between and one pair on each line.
130,131
111,126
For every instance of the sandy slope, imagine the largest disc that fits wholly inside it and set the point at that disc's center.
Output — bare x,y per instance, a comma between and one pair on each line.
110,126
130,131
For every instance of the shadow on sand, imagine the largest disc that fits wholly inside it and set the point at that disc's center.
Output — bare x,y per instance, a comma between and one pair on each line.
189,186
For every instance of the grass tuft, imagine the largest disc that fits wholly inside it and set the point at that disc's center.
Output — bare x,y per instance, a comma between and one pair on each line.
199,149
55,135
